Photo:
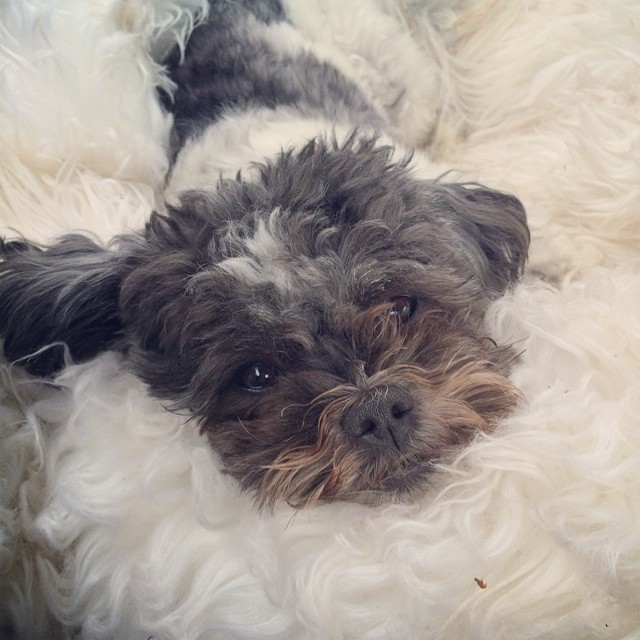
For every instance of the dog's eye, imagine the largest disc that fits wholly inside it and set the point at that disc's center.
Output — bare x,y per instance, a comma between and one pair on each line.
257,377
402,307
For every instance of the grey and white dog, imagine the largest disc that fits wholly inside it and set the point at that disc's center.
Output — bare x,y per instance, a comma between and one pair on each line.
316,307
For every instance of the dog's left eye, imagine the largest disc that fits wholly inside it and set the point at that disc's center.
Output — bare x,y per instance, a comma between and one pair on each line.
257,376
403,307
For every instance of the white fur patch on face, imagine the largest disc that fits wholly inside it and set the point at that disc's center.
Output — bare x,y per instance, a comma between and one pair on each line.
263,245
245,268
265,259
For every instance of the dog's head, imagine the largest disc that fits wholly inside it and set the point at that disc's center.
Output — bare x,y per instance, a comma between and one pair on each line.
322,322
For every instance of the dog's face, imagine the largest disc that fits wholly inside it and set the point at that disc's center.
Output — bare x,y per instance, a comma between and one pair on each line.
322,322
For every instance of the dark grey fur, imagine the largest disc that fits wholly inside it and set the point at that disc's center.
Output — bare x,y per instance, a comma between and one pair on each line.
348,366
229,67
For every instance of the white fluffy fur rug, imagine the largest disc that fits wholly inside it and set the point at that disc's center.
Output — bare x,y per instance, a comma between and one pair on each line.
115,521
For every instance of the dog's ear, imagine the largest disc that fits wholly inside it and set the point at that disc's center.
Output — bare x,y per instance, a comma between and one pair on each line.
495,234
65,295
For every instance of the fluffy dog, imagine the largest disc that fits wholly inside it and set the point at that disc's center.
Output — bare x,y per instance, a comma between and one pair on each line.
317,308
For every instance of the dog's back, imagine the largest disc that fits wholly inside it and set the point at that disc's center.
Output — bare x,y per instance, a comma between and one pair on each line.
248,59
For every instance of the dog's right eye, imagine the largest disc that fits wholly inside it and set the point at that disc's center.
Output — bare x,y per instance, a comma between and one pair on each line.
257,376
403,307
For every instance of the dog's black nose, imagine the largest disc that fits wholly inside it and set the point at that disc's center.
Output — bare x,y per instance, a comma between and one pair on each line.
383,417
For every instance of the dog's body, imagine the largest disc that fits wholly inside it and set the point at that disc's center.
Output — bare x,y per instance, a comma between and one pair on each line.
312,301
321,314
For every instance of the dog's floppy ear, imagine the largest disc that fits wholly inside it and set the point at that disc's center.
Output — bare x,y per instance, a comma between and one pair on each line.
494,229
66,294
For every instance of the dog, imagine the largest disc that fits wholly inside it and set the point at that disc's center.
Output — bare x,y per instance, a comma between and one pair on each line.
305,296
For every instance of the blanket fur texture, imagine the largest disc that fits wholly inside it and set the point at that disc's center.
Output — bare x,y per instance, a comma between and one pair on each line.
116,520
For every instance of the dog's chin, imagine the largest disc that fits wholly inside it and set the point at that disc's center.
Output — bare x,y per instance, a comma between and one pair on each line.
344,470
406,484
365,482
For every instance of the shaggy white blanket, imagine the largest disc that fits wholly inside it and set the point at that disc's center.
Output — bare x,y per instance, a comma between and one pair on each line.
115,521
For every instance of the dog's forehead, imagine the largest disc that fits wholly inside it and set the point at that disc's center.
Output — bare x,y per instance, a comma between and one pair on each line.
261,258
312,261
